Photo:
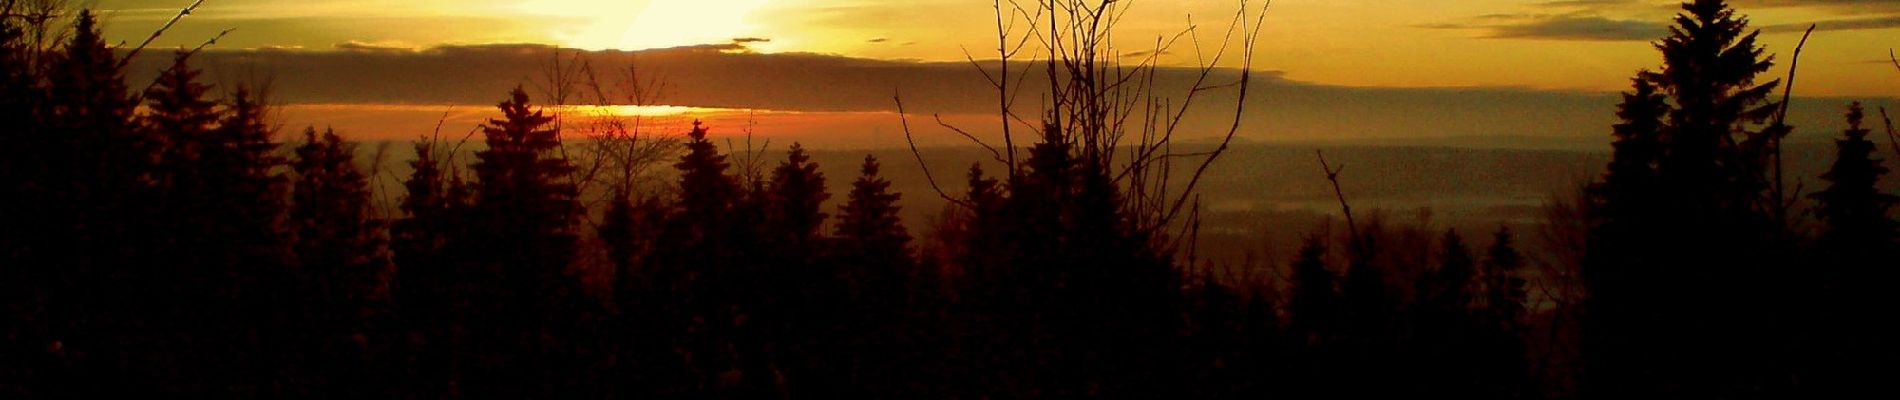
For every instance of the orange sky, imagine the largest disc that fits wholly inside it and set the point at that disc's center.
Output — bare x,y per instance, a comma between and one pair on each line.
1573,44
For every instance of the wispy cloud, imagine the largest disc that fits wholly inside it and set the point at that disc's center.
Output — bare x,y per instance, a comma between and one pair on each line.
1558,27
1643,20
1844,24
1838,6
1579,28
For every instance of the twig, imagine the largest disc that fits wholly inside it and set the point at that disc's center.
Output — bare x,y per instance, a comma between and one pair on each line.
904,119
1893,138
1780,129
209,43
1332,174
1246,74
160,32
972,138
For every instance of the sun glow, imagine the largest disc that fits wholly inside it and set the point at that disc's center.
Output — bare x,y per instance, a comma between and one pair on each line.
667,23
646,24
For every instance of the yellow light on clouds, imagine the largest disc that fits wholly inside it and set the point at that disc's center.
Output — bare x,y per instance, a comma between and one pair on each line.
646,24
668,23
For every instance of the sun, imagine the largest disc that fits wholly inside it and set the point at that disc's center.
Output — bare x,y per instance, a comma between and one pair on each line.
646,24
669,23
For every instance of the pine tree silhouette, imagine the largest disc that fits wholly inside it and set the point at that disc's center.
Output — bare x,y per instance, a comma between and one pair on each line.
1854,210
525,307
1710,61
424,291
710,277
869,228
343,266
1446,321
1675,271
1854,256
798,191
1315,304
1504,365
224,244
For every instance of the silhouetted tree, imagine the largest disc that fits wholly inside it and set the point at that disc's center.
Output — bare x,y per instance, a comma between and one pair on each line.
1855,213
1315,303
1856,254
798,191
1446,321
1504,365
1451,287
1315,315
225,243
526,312
343,267
425,285
870,232
78,205
1631,185
1675,280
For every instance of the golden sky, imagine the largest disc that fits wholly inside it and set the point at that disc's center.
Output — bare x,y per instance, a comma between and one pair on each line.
1591,45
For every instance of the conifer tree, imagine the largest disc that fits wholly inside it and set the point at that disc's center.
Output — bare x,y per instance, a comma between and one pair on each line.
704,269
182,118
1504,292
342,262
79,203
978,247
1447,322
1854,257
1315,302
1710,63
92,165
427,277
1450,289
1855,212
1504,367
869,226
798,190
1638,148
706,191
338,234
1674,276
520,250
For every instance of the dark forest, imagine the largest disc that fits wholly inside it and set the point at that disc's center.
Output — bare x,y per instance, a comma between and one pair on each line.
164,239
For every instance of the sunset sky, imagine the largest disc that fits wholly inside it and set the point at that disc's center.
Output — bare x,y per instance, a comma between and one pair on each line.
1575,44
1408,62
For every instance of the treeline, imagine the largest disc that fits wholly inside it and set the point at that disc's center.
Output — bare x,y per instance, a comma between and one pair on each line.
160,241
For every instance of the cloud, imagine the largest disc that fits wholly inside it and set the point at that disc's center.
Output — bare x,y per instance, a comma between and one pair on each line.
1644,20
722,75
1838,6
846,101
877,40
1586,3
1145,53
357,45
1558,27
1846,24
1579,28
744,40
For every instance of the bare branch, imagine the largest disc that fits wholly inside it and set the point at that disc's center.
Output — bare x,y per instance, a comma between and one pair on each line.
212,41
160,32
1780,130
1893,138
904,119
972,138
1246,74
1332,175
